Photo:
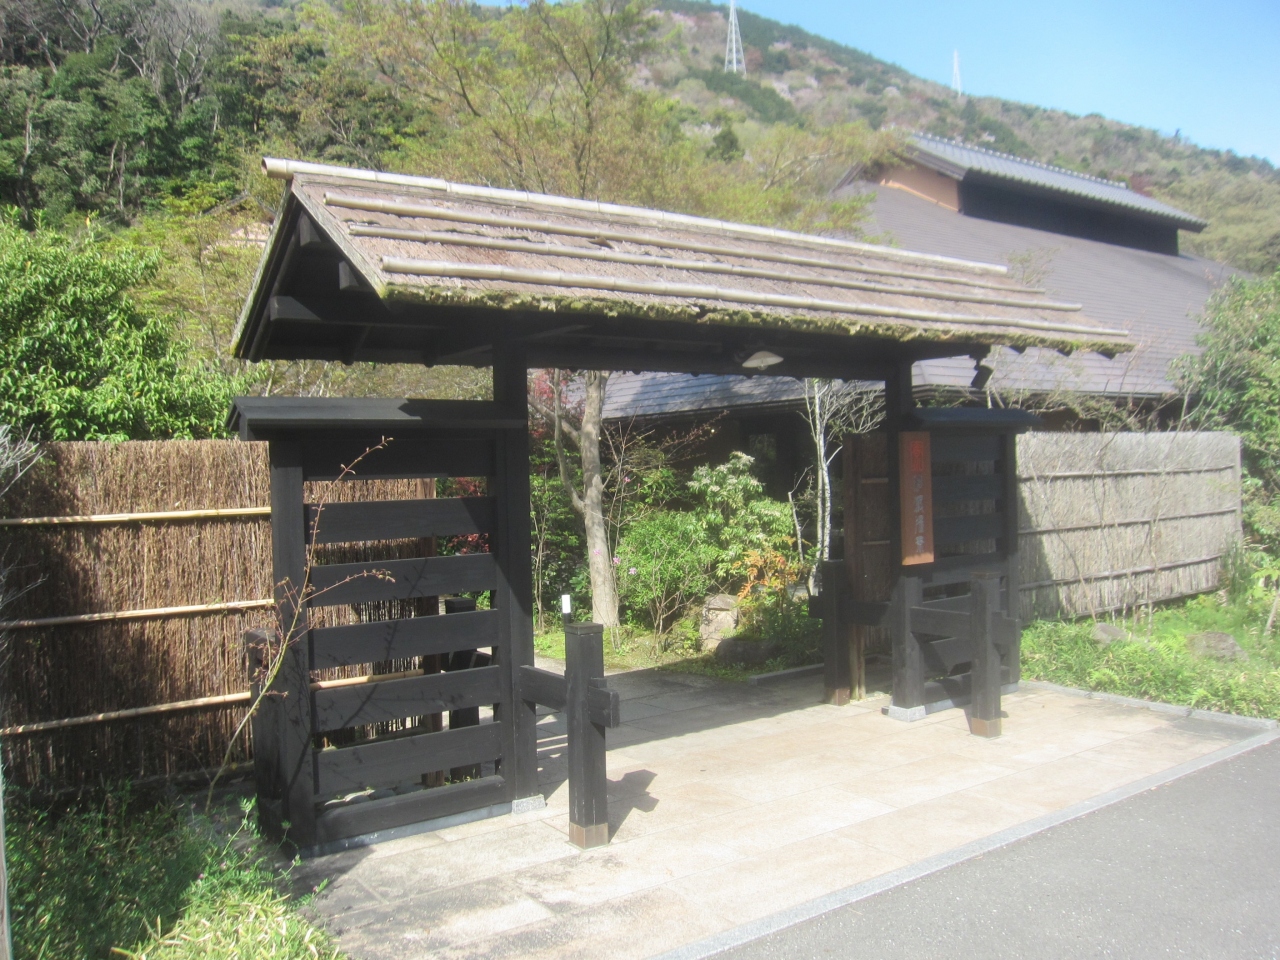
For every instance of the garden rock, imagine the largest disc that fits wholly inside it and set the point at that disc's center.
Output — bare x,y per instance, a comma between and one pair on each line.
719,619
1105,634
1220,646
750,653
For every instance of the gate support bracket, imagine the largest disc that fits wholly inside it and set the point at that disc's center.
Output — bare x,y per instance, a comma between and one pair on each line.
589,710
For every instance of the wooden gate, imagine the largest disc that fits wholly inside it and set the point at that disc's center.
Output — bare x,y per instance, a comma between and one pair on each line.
405,712
949,598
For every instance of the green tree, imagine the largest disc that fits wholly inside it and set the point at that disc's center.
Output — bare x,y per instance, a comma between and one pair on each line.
80,360
1235,384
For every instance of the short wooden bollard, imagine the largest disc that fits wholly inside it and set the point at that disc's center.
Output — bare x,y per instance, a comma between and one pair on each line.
984,704
588,785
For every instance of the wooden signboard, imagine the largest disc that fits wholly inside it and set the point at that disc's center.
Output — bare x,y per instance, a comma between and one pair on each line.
915,475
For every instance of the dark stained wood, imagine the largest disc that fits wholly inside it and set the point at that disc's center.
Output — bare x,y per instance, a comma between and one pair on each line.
400,459
400,519
1010,544
966,448
908,662
944,655
266,418
868,546
939,623
385,762
389,812
512,537
542,686
343,583
381,701
984,711
837,667
987,486
588,784
402,639
982,526
292,682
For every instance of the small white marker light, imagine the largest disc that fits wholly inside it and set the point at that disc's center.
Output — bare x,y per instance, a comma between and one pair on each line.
566,604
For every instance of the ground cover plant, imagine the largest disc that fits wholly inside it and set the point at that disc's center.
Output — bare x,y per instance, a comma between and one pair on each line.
1159,662
147,877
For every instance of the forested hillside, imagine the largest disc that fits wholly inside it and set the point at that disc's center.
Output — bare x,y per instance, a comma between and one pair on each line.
793,74
150,116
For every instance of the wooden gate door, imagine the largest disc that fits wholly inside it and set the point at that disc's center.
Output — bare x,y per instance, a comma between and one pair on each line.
391,707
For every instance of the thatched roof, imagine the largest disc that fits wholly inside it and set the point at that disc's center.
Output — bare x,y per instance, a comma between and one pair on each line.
432,249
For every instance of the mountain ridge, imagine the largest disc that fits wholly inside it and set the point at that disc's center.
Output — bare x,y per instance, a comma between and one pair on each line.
823,81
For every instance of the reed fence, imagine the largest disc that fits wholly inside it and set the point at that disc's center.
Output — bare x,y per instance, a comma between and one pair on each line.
118,613
1114,521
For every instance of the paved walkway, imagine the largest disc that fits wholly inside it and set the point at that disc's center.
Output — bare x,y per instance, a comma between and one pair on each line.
730,802
1189,869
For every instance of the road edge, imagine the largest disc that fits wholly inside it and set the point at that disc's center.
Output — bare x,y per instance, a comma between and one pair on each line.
747,932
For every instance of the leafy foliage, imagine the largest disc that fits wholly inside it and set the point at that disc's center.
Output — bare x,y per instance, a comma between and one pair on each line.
80,360
665,562
1158,665
733,536
130,876
738,518
1236,385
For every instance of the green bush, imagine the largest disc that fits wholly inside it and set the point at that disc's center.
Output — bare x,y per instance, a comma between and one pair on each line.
1235,383
664,564
1162,669
132,877
80,360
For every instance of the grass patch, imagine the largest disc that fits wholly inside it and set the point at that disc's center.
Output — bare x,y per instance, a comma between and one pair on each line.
1157,663
131,876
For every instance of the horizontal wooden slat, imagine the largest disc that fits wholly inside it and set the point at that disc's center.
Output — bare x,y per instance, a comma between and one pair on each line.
542,686
948,603
986,526
985,486
400,519
958,688
466,456
944,655
964,448
378,702
939,623
384,762
402,639
420,577
421,805
960,568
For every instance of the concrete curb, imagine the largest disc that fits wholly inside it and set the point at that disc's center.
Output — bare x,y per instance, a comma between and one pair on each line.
719,943
812,669
1258,723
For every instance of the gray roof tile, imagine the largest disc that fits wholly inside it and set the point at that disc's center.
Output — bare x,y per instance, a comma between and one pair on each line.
958,160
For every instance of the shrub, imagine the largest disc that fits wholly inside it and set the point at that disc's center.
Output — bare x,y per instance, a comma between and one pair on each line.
80,360
665,561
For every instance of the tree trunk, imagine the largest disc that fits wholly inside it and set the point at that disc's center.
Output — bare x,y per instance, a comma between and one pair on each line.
604,591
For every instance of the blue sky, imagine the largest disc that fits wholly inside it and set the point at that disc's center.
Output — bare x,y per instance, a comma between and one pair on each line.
1209,69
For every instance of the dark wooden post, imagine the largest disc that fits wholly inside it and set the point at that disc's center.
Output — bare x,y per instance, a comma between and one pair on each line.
293,682
511,390
984,674
908,659
588,785
1013,594
836,668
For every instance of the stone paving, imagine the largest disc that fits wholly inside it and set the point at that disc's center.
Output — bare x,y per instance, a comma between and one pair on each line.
730,802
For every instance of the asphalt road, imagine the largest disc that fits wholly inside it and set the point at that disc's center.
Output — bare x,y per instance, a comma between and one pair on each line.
1189,869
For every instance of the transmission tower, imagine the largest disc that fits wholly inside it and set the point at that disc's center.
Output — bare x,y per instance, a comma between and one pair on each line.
955,74
734,62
